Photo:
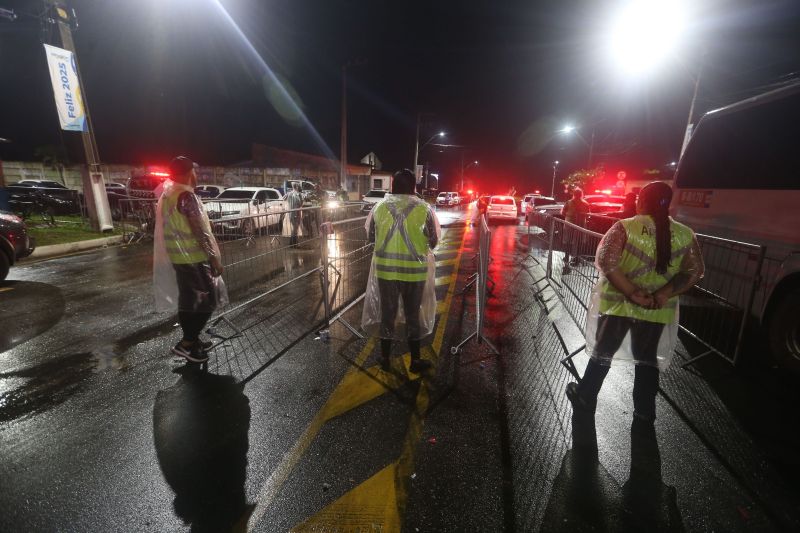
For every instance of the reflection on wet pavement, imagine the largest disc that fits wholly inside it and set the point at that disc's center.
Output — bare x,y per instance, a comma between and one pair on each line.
28,309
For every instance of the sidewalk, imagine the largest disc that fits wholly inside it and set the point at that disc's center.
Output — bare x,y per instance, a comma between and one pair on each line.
56,250
704,473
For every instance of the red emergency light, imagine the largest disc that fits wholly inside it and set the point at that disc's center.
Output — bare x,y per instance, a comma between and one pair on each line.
536,191
603,191
469,191
163,174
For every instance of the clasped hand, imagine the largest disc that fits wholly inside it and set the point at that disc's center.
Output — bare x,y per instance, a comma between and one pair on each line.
648,300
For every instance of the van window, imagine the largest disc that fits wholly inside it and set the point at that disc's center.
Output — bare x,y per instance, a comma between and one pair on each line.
754,148
502,201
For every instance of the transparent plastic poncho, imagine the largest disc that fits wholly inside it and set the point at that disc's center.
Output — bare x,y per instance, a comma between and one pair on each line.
609,340
165,282
372,315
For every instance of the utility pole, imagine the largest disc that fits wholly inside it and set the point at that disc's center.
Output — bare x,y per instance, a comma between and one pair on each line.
689,122
553,186
591,149
343,146
416,150
94,190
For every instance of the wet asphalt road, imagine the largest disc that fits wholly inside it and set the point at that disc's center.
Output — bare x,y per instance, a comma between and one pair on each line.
100,430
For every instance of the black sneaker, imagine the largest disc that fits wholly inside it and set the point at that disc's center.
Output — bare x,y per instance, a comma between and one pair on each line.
575,399
190,354
419,366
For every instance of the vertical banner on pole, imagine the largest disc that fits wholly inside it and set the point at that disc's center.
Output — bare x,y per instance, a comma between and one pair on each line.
66,89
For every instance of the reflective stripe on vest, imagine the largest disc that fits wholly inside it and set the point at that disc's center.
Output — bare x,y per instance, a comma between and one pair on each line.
638,263
400,256
182,246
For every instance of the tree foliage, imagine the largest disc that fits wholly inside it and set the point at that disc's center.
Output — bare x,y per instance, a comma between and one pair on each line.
583,178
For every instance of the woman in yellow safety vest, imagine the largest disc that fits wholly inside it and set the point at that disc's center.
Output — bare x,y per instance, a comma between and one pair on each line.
645,262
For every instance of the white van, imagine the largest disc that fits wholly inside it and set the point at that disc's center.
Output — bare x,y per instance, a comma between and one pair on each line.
739,178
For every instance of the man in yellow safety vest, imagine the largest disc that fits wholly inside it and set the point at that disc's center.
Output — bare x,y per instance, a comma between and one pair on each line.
405,230
184,232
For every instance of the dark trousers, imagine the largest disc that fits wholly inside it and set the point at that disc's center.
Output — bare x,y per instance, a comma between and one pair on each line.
611,331
197,297
411,293
192,324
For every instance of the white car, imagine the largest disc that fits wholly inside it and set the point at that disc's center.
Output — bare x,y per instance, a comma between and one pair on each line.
501,208
209,191
229,211
448,199
372,197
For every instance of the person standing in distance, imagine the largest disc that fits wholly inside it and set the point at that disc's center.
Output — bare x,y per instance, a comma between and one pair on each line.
575,210
294,200
186,260
645,263
405,230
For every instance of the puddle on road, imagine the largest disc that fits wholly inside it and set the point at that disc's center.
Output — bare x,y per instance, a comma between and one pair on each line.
43,386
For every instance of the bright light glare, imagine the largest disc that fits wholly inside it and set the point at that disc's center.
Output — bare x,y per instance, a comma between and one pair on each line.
441,134
567,129
644,33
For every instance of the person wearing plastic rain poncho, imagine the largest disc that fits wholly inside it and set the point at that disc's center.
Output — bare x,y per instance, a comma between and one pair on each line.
186,260
645,262
405,230
293,220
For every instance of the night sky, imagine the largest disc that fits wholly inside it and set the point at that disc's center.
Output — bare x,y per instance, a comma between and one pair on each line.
500,77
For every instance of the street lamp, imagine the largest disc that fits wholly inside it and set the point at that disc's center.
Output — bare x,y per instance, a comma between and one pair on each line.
566,130
553,186
418,148
463,168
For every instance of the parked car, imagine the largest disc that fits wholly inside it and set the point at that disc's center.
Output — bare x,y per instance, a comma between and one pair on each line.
117,188
371,198
208,191
447,199
532,201
501,208
229,211
42,184
15,243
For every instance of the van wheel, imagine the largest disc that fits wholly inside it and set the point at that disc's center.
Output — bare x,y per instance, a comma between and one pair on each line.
784,331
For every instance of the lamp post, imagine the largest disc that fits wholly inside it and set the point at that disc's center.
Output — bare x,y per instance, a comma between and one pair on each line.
418,148
553,186
463,168
566,130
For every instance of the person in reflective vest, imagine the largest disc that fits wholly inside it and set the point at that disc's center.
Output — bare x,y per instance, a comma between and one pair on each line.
184,241
645,262
404,229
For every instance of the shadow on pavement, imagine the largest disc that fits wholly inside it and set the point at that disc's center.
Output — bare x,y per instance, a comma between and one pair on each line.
200,431
28,309
585,497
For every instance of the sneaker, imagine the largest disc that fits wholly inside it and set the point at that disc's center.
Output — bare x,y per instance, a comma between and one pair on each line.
419,366
190,354
575,399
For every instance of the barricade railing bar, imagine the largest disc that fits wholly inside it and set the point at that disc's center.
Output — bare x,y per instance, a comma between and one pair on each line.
715,312
481,288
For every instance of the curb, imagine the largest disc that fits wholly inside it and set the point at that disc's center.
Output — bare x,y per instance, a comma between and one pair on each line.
45,252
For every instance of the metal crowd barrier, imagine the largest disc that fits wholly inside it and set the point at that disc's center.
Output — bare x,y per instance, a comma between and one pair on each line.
481,290
715,312
717,309
137,217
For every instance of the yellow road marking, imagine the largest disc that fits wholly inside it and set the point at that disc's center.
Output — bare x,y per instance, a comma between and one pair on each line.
368,507
379,503
444,280
4,289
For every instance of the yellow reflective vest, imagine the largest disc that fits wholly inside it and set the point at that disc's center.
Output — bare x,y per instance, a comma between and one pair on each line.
182,246
638,263
401,248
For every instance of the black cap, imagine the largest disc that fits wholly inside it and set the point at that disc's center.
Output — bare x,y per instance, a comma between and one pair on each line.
180,165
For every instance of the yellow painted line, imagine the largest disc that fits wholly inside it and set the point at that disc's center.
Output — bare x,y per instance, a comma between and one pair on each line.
4,289
279,476
379,503
444,280
368,507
